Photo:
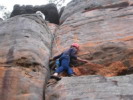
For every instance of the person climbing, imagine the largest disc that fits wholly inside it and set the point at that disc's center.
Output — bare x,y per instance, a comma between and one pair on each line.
65,58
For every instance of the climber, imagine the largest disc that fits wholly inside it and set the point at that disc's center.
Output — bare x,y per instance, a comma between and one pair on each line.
39,13
65,58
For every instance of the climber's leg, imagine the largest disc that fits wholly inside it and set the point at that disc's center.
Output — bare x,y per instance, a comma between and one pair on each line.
70,71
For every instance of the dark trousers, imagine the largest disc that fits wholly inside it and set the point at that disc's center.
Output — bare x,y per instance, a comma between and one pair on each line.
65,62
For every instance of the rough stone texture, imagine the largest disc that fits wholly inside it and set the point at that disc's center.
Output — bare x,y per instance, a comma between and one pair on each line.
61,11
80,5
114,69
92,88
103,28
50,11
104,34
25,43
52,27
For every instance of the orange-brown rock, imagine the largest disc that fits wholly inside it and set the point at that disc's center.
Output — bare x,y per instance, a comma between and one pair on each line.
115,69
103,28
104,32
25,43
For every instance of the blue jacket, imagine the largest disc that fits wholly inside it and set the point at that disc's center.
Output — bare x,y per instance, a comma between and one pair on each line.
72,53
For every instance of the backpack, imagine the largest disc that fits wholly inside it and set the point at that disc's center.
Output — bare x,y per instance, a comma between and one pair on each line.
57,63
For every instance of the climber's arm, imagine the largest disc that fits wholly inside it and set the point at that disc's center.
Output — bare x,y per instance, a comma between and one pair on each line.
56,57
82,60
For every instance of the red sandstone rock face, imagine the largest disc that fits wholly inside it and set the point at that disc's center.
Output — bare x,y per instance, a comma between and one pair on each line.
103,28
104,33
25,43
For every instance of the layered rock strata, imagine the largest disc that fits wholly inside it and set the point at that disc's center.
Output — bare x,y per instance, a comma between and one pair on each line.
103,28
104,32
25,43
92,88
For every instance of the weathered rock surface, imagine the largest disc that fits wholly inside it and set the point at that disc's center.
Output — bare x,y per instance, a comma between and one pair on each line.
61,11
104,34
92,88
103,28
25,43
50,11
81,5
52,28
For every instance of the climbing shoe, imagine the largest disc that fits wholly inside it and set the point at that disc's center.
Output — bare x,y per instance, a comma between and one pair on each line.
55,77
72,75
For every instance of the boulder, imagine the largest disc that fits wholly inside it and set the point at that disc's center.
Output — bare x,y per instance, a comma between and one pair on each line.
25,42
50,11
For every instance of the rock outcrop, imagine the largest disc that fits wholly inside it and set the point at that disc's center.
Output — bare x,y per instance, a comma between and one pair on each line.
50,11
104,33
103,28
61,11
25,43
80,6
92,88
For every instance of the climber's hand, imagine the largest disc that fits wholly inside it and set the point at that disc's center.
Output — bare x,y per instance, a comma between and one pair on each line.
51,59
85,61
